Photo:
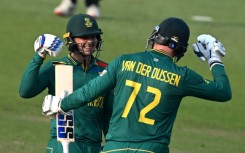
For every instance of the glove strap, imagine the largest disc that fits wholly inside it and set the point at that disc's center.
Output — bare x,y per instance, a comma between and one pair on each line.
212,63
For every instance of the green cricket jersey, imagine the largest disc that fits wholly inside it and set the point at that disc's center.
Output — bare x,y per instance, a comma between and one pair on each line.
148,88
89,120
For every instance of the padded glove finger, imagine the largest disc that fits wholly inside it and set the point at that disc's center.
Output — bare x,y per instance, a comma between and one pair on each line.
197,47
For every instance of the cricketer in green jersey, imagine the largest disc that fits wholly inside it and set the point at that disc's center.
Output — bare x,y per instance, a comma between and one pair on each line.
82,39
149,86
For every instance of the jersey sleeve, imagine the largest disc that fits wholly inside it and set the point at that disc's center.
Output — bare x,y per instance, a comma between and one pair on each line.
217,89
103,83
35,78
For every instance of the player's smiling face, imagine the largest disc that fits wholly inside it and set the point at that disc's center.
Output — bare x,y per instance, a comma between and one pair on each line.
86,44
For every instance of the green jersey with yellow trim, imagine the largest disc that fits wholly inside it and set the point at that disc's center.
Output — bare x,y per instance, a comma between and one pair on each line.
148,88
89,120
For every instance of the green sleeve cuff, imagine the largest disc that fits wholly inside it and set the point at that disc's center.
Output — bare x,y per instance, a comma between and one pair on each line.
37,58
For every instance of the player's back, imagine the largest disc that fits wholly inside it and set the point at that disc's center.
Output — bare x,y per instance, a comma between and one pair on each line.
147,97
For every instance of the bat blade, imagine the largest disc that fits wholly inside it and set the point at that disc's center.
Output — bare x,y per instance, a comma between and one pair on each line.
64,123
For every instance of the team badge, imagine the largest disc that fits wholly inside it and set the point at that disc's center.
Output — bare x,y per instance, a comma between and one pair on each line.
88,22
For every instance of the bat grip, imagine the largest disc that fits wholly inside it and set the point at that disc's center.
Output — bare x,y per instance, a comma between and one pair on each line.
65,145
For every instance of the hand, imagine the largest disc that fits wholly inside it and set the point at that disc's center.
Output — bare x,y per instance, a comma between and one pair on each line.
50,106
210,49
48,44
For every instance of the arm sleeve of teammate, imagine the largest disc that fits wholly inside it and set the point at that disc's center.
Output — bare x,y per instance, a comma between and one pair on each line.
35,79
217,89
94,88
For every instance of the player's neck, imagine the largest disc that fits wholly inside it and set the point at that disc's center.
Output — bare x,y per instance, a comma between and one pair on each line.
86,60
164,49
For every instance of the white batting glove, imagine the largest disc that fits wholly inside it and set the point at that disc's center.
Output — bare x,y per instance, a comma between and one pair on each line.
50,106
210,49
48,44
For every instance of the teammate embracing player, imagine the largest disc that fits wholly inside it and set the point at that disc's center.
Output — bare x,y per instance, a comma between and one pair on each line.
149,87
83,39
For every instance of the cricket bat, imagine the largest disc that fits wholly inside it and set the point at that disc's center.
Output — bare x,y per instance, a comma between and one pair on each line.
64,123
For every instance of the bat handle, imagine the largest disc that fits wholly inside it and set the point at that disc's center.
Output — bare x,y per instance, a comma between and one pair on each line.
65,145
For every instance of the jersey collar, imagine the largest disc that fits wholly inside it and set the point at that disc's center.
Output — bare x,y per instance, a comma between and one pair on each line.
75,62
160,52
